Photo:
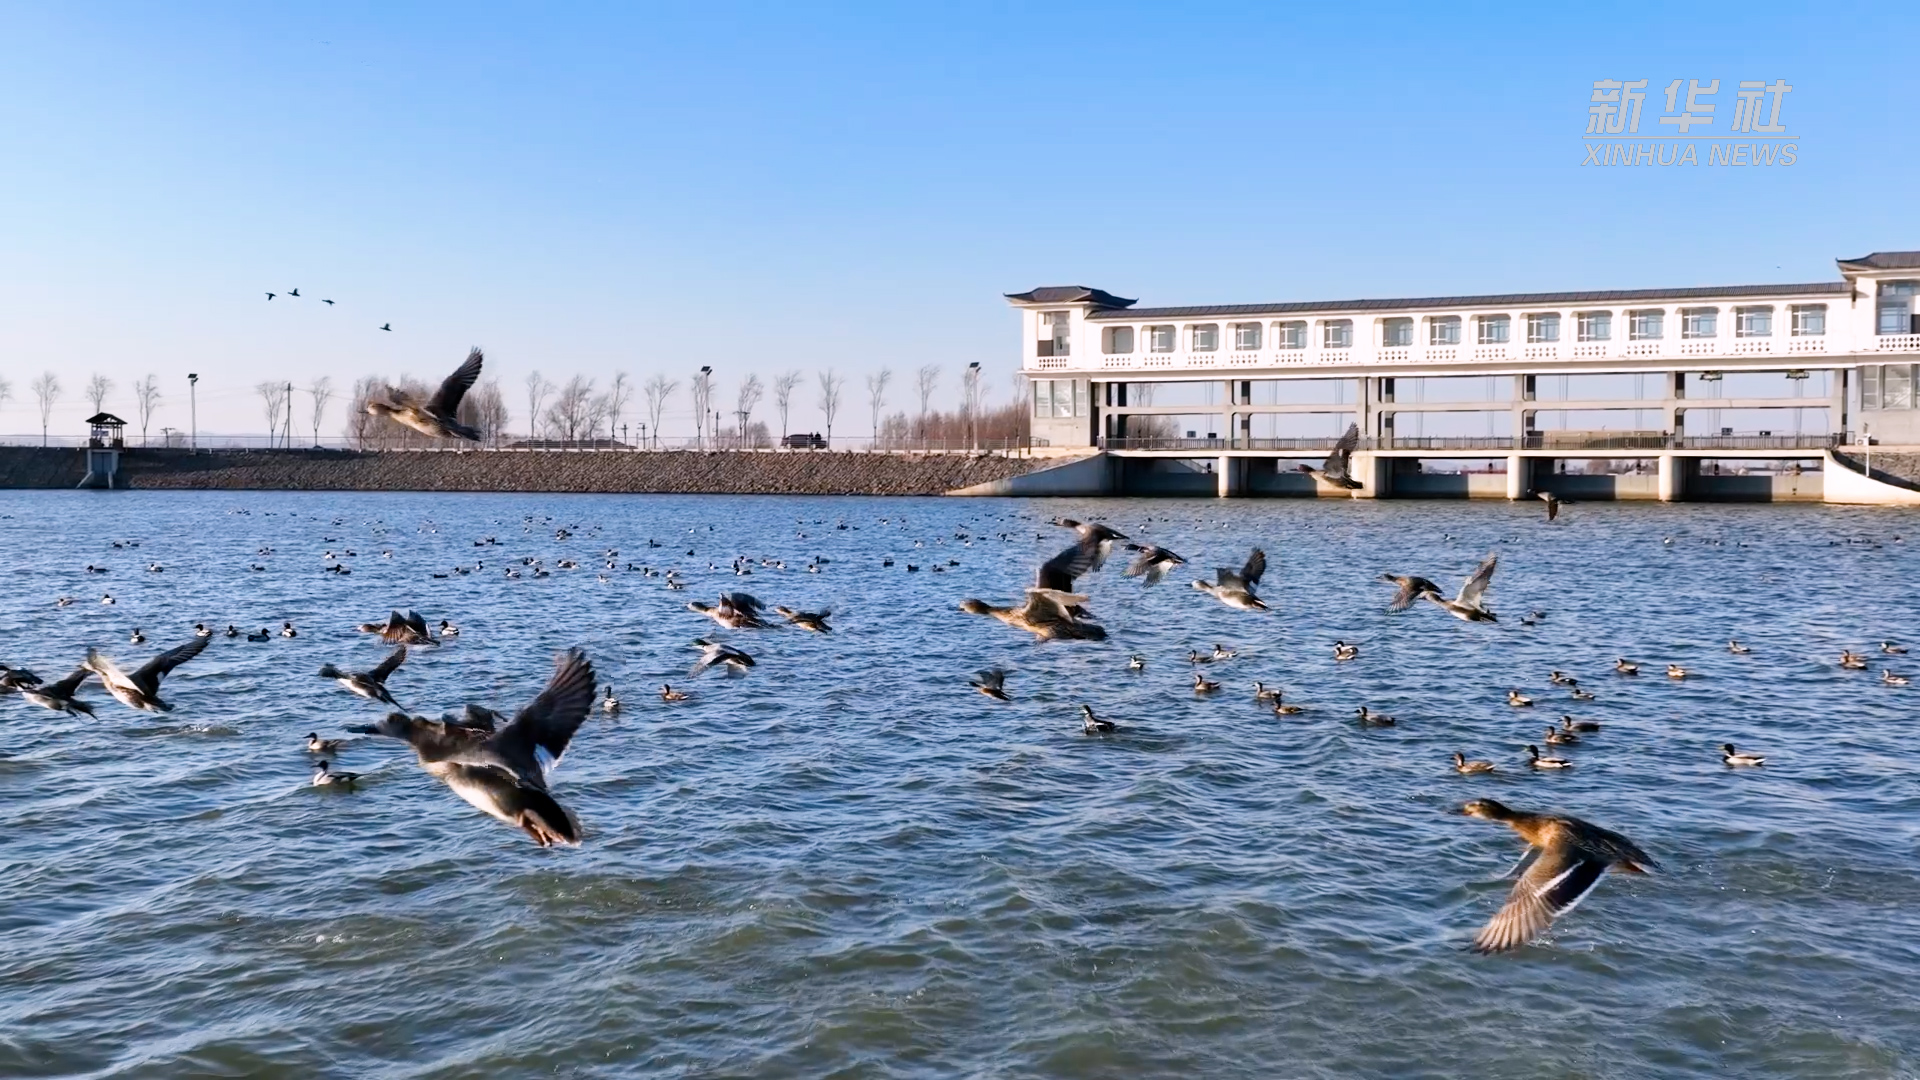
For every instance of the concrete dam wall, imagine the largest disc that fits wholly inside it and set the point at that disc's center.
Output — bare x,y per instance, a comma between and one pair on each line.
661,472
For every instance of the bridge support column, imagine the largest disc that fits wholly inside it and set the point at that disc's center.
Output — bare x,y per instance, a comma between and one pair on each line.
1375,474
1518,480
1672,485
1229,479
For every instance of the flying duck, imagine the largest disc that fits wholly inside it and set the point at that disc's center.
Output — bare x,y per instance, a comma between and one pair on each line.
371,685
1572,856
1236,589
1047,615
1338,468
438,418
1412,587
991,682
1151,563
735,611
400,629
815,621
714,652
1470,605
1094,535
58,696
504,773
141,689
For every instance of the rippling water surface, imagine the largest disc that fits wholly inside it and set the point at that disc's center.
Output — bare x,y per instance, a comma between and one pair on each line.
847,863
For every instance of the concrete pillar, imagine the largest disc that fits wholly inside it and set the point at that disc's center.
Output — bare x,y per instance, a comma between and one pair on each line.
1671,485
1517,479
1223,472
1371,470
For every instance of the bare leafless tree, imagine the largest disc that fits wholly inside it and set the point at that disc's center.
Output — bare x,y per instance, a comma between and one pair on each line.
572,414
537,390
361,425
485,410
830,385
702,399
98,387
273,398
46,391
619,393
321,390
927,380
877,398
658,390
783,387
146,398
751,391
6,389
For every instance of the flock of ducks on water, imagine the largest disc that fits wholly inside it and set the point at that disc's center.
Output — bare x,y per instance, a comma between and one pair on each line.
501,766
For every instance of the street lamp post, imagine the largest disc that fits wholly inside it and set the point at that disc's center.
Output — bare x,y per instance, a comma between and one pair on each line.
973,404
193,406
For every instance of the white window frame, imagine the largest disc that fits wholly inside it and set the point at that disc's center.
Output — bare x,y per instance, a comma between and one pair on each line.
1443,331
1745,318
1399,323
1484,326
1647,324
1805,314
1111,334
1212,332
1290,334
1593,326
1336,334
1543,327
1246,337
1699,323
1162,338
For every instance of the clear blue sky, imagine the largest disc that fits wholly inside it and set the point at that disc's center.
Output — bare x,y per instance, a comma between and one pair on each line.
591,188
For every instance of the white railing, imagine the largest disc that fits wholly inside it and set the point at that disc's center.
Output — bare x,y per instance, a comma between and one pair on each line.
1897,343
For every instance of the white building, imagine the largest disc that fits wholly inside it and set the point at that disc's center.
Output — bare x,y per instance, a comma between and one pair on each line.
1672,375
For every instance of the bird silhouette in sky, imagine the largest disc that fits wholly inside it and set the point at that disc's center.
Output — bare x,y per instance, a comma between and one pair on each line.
329,303
269,296
294,292
386,326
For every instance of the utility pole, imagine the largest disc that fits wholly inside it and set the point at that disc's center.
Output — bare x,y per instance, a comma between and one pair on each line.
288,440
193,406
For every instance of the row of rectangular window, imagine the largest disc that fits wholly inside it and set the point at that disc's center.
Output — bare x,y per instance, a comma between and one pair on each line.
1649,324
1888,386
1063,398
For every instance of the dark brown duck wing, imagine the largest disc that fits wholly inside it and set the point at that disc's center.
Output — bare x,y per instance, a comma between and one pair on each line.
537,738
147,677
389,665
446,400
1059,572
1256,567
1555,884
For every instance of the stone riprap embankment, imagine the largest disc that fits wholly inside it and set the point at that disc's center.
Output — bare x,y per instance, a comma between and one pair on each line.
663,472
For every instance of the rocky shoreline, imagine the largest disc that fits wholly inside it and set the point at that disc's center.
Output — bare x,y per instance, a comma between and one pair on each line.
654,472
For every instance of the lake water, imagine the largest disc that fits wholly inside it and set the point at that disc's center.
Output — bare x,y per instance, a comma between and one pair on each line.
849,864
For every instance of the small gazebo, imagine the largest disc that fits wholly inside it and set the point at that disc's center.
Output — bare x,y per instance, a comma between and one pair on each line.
104,443
106,431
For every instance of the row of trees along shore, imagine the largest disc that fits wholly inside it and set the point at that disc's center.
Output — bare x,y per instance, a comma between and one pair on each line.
582,413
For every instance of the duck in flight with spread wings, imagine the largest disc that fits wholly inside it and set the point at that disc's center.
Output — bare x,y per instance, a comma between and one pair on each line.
140,689
1471,603
438,418
1338,468
1569,858
504,772
1236,589
1052,610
